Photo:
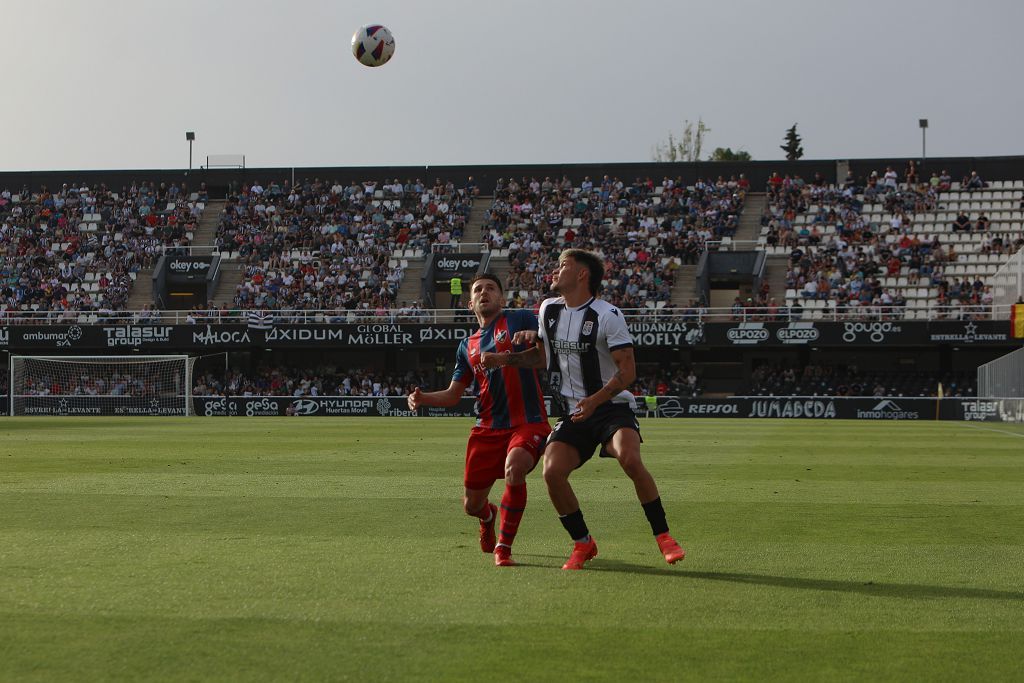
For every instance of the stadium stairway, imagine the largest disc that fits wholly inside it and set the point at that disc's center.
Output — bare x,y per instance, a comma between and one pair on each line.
411,288
500,267
412,282
685,288
749,229
231,275
204,238
775,273
206,231
477,217
142,290
750,218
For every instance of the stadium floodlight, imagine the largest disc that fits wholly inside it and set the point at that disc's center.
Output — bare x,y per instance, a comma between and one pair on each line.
190,135
101,385
923,123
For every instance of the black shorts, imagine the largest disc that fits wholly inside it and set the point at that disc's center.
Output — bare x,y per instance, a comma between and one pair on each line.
596,430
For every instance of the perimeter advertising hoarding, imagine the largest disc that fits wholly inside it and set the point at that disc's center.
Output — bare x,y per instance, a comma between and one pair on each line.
785,407
99,405
782,407
646,334
323,406
834,408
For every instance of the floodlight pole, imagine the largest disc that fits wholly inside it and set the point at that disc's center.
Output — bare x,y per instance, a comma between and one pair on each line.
923,123
190,136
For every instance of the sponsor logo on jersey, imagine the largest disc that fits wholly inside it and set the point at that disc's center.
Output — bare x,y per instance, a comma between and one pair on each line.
565,347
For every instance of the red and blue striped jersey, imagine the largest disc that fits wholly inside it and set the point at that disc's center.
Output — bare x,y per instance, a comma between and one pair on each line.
507,397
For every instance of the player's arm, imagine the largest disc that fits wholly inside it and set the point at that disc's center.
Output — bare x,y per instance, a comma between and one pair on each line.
450,396
625,373
622,380
437,399
530,358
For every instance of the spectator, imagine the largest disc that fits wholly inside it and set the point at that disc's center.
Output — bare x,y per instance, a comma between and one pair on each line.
973,181
962,223
890,179
983,223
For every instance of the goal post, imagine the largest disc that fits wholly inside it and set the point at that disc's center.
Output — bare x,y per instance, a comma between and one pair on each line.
101,385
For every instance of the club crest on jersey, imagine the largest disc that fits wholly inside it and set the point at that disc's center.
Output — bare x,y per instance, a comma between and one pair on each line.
501,336
588,327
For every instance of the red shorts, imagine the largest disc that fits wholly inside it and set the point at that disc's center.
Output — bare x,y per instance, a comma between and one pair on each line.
487,449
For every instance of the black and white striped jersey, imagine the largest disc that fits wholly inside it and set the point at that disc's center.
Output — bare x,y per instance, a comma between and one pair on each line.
579,344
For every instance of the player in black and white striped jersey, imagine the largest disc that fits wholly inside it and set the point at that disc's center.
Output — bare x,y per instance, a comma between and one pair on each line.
587,348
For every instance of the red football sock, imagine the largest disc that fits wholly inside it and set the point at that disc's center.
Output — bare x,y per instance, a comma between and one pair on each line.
513,503
484,515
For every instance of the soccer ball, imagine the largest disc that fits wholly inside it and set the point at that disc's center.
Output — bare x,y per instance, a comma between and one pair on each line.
373,45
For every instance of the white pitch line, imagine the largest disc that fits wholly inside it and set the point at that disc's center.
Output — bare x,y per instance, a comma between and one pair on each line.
1000,431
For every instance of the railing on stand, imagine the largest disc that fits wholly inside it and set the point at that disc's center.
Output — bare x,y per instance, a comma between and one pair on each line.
782,314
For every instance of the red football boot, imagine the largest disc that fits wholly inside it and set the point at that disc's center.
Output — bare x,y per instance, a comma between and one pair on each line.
581,553
503,557
487,537
669,548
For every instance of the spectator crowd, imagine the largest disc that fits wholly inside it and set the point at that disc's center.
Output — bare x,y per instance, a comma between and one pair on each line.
77,248
837,254
644,230
328,380
323,245
851,380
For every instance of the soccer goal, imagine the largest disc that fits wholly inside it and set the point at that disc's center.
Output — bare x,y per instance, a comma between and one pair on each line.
101,385
1007,285
1003,377
1001,387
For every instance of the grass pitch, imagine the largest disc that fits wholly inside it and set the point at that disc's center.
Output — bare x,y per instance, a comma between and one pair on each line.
257,549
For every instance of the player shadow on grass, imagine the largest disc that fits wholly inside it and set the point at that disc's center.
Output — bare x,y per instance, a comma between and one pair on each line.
885,590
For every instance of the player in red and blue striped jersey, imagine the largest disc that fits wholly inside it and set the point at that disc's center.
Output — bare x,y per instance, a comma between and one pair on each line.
509,436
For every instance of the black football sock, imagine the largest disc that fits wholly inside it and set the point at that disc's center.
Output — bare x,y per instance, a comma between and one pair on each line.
656,516
574,524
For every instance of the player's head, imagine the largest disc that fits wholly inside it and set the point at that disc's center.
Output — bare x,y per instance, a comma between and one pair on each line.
486,296
486,276
578,268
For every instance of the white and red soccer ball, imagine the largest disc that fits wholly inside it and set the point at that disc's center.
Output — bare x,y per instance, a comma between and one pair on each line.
373,45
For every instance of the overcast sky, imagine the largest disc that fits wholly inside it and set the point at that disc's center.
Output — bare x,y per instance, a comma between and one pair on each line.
115,84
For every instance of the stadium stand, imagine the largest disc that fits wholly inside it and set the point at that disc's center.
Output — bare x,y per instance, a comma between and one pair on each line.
877,248
883,249
322,245
319,381
336,380
117,384
74,252
849,380
645,231
673,381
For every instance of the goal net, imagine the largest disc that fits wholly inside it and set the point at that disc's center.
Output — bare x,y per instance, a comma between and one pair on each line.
1008,285
1001,387
101,385
1003,377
